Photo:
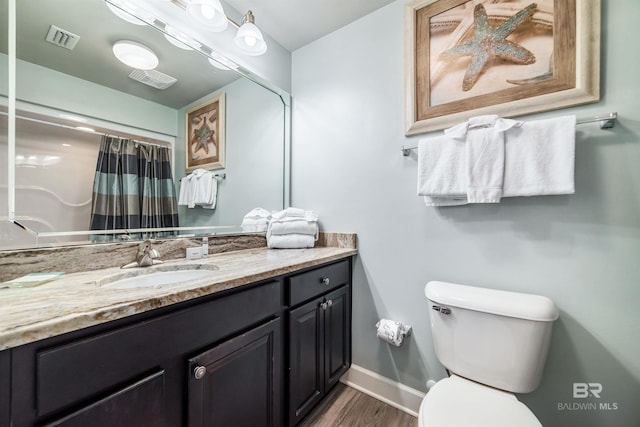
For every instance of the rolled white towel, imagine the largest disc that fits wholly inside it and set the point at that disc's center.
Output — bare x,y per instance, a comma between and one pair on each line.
291,241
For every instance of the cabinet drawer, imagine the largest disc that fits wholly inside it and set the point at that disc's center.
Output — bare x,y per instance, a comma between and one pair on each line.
86,368
139,404
307,285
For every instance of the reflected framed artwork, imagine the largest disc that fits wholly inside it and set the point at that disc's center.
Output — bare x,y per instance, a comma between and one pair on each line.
205,138
466,58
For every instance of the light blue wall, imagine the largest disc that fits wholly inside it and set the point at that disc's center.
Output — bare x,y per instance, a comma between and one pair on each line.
582,250
43,86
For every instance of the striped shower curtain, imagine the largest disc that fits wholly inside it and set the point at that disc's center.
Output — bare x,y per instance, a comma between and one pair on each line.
133,187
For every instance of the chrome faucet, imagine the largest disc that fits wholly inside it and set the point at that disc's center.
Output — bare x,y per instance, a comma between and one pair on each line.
145,257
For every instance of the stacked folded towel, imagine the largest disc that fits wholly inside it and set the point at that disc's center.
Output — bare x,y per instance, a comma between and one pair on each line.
257,220
199,188
292,228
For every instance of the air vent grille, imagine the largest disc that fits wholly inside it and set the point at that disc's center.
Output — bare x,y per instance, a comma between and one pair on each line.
62,38
153,78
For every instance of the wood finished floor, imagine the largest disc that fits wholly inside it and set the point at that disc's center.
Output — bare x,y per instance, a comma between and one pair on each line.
347,407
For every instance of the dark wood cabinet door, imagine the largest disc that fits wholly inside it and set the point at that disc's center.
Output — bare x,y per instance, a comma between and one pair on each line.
238,383
140,404
306,347
337,324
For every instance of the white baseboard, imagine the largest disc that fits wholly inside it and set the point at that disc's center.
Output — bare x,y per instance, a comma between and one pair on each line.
382,388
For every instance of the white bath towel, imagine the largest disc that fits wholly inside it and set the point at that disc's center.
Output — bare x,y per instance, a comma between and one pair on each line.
485,153
291,241
540,158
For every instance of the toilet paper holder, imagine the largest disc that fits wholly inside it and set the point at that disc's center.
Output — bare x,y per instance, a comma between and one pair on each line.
392,332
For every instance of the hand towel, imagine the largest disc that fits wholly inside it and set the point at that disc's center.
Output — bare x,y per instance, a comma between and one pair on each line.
540,158
442,171
485,155
294,213
291,241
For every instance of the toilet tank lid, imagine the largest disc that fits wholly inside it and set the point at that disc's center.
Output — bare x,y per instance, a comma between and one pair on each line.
503,303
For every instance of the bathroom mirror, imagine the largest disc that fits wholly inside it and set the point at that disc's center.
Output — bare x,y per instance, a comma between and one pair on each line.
59,89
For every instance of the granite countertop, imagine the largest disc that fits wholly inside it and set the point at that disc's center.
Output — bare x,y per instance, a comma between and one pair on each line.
78,300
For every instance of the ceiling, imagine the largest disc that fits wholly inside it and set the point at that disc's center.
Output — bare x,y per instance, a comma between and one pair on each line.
292,23
295,23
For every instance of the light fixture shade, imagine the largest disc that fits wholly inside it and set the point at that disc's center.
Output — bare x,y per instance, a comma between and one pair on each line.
208,13
249,40
135,55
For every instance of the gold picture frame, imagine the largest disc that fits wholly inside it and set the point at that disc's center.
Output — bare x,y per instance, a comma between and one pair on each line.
205,135
548,58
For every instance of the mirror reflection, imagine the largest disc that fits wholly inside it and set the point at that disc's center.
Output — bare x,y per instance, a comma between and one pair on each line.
61,89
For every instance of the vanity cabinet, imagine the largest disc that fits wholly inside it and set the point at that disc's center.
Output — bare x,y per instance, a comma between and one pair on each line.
248,356
319,324
237,383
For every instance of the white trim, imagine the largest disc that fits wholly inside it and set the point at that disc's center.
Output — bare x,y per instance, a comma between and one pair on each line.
384,389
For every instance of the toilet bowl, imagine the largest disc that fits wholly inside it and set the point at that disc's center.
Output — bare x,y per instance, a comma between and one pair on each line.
458,402
495,344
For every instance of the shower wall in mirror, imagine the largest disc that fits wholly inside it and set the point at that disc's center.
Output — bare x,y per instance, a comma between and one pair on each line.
55,164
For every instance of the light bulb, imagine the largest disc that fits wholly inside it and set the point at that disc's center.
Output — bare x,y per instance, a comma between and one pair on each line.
208,11
250,41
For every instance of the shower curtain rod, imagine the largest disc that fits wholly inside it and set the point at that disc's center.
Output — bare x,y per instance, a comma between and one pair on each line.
85,130
607,121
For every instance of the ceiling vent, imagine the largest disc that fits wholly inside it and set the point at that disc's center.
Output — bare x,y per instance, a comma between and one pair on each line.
153,78
62,38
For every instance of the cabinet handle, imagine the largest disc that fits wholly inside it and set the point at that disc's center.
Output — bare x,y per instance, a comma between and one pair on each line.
329,303
199,372
323,305
325,281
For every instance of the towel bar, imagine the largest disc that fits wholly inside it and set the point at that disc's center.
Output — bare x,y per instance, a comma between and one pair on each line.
607,121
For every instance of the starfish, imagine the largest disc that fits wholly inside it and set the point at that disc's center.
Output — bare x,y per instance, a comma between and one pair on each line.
490,42
202,136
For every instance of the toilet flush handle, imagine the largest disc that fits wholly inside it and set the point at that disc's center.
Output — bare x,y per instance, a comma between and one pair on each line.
441,309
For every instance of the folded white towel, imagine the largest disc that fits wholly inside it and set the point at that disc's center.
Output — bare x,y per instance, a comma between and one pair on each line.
485,136
290,214
540,158
291,241
294,227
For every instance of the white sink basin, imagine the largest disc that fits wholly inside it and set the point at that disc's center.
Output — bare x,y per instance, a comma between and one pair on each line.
158,276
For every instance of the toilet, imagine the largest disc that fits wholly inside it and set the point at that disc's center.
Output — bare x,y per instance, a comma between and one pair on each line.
494,344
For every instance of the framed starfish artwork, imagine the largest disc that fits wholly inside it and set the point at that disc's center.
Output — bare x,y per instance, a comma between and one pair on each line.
466,58
205,138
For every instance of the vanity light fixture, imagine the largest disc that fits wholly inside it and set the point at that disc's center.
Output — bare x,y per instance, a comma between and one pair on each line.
135,55
249,39
208,13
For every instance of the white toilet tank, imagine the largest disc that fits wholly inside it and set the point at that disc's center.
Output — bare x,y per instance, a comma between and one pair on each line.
493,337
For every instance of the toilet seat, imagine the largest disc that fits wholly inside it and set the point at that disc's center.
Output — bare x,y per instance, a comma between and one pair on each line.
458,402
